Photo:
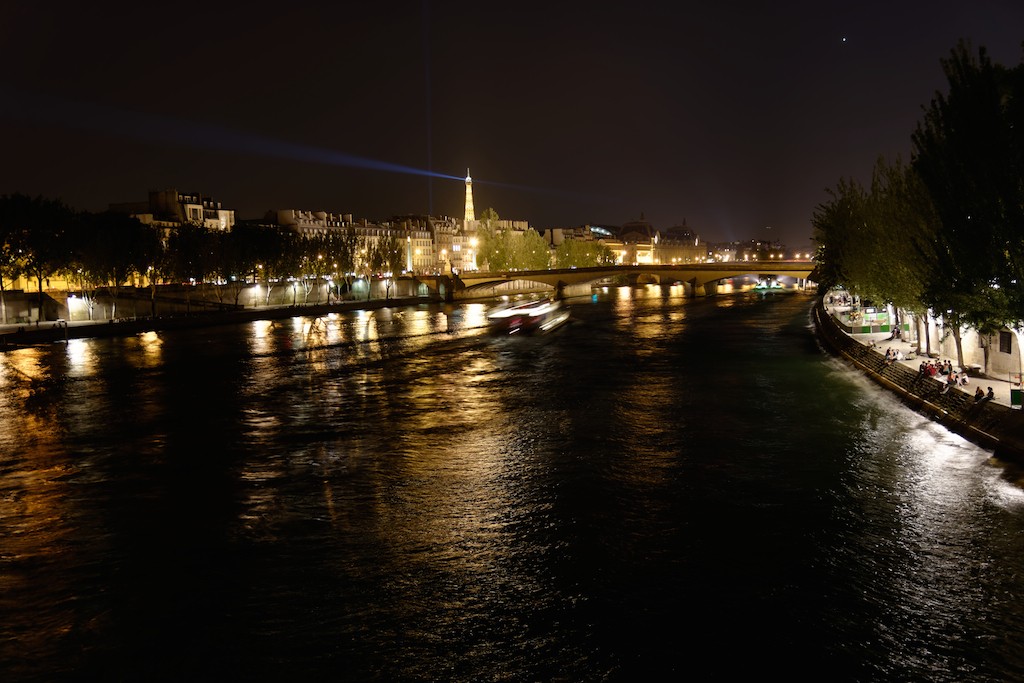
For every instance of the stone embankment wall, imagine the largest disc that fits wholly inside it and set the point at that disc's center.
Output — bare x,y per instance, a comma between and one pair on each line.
988,424
51,332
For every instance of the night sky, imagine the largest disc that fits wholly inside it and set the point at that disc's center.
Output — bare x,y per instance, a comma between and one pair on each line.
732,117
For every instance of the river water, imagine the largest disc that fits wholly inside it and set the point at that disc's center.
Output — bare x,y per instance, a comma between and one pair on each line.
661,488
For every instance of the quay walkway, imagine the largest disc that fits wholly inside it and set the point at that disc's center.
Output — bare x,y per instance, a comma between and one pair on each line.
880,341
996,424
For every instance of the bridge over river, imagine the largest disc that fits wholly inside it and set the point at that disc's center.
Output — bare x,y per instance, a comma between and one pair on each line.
700,279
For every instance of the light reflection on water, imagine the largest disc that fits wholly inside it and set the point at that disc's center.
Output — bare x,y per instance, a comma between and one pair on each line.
397,495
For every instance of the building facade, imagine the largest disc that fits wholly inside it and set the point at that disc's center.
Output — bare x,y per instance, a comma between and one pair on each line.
171,208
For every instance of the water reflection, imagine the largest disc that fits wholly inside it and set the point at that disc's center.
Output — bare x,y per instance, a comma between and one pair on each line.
397,495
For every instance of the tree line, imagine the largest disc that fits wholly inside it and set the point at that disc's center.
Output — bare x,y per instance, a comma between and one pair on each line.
942,234
502,248
42,238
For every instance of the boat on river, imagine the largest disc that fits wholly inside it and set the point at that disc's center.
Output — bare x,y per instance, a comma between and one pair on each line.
530,317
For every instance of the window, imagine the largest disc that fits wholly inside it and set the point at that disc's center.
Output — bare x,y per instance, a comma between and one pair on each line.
1005,342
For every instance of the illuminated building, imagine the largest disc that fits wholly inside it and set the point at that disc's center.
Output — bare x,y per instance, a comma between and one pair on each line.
172,209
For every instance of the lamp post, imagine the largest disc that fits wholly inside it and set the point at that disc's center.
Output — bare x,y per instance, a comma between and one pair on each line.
258,275
320,274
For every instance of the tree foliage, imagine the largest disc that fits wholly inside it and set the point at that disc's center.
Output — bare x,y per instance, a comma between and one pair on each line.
36,229
583,254
969,154
502,248
945,232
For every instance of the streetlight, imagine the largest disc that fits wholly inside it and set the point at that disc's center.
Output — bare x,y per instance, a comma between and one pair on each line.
319,274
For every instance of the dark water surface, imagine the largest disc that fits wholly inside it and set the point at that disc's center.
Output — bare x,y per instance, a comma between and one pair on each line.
664,489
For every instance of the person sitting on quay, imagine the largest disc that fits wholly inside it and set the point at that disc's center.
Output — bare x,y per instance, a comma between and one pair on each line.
979,395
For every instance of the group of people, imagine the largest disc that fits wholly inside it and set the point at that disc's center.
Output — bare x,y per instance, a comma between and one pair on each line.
944,372
938,370
892,355
980,395
941,370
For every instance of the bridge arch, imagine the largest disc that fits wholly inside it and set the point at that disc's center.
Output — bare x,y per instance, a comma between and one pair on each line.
698,275
700,278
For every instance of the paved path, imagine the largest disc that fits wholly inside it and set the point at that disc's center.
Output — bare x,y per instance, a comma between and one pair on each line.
1000,387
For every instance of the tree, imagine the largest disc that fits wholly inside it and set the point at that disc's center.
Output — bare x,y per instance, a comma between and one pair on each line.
319,264
903,241
12,259
35,229
836,226
493,248
583,254
190,248
968,152
530,251
287,264
158,270
349,246
273,252
112,248
504,249
606,257
878,242
391,259
244,251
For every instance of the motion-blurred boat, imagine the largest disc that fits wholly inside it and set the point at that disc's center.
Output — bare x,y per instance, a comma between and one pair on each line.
530,317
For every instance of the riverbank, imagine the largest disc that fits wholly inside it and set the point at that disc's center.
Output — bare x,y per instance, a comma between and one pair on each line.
993,425
48,332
